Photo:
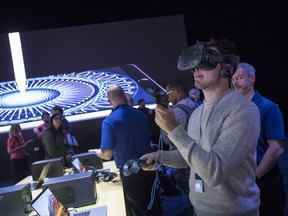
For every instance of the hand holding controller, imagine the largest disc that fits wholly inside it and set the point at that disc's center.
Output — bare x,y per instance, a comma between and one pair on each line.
150,161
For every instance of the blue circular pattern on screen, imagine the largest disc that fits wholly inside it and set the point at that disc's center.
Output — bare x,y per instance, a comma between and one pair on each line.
31,97
75,93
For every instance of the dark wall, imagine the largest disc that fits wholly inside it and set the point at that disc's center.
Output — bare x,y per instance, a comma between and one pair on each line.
6,66
153,44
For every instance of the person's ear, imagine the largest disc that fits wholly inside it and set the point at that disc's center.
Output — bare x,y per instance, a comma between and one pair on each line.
253,79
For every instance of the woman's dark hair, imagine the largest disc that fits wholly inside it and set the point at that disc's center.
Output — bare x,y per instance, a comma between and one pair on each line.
13,129
51,126
57,109
44,114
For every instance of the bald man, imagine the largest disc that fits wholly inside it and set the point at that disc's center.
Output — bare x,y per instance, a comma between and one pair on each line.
270,143
126,134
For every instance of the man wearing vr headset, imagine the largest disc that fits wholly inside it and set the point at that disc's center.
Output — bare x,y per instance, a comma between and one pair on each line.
220,142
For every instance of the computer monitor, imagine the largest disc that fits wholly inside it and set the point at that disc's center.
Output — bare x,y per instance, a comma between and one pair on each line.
15,200
47,168
89,159
74,190
46,203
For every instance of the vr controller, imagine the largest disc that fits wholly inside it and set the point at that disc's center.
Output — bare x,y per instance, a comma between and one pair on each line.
134,166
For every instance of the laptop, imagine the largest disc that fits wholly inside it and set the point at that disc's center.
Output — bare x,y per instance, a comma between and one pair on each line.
46,204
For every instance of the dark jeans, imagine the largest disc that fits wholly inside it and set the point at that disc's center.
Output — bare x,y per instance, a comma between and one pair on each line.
174,192
20,169
137,193
271,195
285,188
176,205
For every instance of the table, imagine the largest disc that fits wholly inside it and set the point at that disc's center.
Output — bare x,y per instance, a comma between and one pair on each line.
109,194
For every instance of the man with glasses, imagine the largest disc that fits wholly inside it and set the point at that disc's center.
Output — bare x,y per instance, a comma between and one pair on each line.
220,144
270,143
174,183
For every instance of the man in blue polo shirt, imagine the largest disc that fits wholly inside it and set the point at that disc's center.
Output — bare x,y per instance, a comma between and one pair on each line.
270,143
126,135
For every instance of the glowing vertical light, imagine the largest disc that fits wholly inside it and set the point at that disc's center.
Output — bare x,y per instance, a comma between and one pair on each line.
18,61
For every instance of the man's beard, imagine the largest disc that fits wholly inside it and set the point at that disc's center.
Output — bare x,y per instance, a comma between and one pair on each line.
199,85
203,85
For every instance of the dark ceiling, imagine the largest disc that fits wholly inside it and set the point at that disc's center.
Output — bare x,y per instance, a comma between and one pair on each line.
20,19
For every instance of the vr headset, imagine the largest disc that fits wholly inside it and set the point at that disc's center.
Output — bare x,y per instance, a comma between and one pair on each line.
204,55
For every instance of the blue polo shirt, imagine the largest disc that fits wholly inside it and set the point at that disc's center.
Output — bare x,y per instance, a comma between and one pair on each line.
127,132
272,124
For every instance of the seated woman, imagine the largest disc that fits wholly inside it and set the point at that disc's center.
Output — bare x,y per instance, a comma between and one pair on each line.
54,138
16,149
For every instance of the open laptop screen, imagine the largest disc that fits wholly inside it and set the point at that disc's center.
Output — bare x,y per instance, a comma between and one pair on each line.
46,204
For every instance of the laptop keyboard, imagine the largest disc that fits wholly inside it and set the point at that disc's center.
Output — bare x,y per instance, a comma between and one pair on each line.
84,213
